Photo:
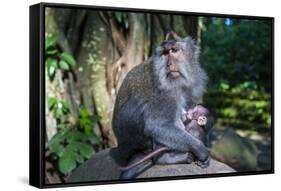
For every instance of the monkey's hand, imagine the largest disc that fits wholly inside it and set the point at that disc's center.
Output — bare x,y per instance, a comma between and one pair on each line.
177,139
162,124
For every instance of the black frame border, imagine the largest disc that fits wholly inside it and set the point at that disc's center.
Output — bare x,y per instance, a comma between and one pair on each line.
37,94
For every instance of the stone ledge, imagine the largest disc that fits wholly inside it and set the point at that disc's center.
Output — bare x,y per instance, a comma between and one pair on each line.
103,167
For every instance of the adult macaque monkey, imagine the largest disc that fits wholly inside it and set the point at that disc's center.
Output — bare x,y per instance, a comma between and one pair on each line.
151,99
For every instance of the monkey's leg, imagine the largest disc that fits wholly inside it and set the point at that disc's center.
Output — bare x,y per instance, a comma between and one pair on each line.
175,138
173,158
181,158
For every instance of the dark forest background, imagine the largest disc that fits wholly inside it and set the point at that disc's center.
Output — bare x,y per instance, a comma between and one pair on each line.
88,53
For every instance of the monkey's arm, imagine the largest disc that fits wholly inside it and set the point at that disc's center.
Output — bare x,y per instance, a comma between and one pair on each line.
163,125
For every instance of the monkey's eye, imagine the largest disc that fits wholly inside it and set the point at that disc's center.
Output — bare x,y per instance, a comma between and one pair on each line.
165,52
174,50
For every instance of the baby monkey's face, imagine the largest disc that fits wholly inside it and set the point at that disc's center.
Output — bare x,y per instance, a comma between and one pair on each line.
202,120
198,113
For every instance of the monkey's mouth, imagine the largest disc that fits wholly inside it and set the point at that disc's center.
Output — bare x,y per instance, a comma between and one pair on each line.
174,73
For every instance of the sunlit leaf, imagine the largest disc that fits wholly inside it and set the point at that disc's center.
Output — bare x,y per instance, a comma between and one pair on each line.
61,126
51,40
52,51
51,66
51,102
58,112
65,106
63,65
68,58
84,112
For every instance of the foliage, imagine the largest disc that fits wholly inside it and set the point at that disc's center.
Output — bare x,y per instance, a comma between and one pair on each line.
237,57
241,106
56,59
75,139
71,147
59,107
237,50
86,121
122,19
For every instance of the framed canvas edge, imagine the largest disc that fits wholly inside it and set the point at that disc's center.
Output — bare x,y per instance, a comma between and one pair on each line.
37,96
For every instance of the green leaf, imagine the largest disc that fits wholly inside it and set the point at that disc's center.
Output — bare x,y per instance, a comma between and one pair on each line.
61,126
72,152
52,51
67,162
86,150
84,112
126,24
75,136
88,129
94,140
118,16
78,158
68,58
63,65
51,66
58,112
51,102
56,139
51,40
58,149
65,106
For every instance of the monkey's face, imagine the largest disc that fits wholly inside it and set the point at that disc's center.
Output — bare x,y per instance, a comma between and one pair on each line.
174,63
200,114
170,56
173,58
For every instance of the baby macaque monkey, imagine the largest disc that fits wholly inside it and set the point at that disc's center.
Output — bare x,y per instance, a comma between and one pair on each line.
197,121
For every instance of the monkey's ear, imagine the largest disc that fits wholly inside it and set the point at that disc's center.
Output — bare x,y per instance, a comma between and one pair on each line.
192,48
172,36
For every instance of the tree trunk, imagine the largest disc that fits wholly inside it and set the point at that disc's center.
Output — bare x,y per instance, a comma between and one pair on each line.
95,53
105,52
133,53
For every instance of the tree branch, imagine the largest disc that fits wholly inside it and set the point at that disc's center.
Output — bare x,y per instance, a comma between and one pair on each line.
118,37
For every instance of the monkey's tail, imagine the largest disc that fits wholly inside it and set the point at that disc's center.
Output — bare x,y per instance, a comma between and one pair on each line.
145,158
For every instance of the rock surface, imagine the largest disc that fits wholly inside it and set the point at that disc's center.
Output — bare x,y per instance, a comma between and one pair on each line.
102,167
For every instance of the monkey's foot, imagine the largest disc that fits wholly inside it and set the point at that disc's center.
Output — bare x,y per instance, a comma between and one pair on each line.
203,164
129,174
